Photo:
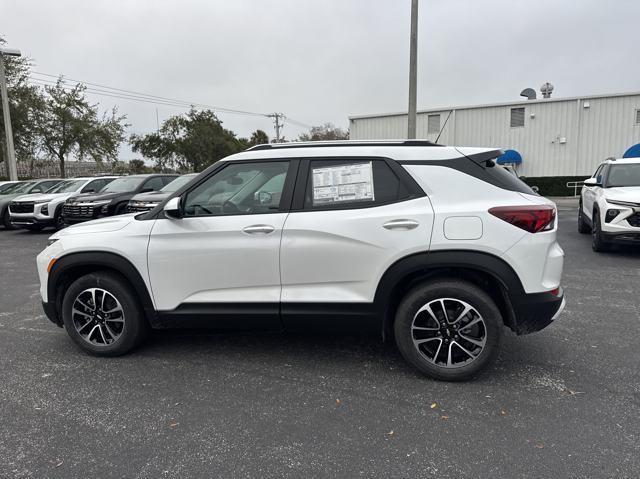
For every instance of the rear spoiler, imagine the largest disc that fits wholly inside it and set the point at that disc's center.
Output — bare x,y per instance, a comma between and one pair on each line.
483,156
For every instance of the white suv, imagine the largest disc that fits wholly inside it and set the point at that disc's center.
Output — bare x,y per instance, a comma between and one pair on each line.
436,246
610,204
37,210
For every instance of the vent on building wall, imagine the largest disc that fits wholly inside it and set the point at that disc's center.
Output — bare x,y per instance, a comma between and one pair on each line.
433,124
638,117
517,117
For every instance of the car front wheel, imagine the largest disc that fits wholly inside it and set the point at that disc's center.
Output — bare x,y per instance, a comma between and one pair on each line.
598,243
102,316
449,329
583,227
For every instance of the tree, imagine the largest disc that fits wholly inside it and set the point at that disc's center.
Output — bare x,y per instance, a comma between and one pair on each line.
70,125
258,137
137,167
188,142
25,104
325,132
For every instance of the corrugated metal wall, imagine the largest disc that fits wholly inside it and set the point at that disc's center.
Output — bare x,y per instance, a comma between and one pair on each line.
560,137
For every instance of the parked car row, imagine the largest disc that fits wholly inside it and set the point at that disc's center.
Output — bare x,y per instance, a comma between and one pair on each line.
36,204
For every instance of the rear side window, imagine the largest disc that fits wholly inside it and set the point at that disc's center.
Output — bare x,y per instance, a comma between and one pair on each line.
352,183
504,179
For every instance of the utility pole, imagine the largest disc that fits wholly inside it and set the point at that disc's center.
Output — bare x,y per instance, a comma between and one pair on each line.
413,71
277,118
10,160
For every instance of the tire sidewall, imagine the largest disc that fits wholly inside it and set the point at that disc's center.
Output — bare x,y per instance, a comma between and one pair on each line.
467,292
135,325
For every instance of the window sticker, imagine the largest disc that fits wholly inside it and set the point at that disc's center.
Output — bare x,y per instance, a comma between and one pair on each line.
342,183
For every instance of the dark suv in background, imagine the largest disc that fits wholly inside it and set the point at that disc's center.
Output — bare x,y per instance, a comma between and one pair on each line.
113,198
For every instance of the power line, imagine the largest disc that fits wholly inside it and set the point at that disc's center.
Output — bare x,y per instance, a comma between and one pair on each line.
151,98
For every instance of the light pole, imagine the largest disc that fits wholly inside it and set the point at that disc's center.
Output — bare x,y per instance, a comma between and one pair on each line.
12,168
413,71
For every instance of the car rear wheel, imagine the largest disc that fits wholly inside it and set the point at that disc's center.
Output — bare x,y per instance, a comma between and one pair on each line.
449,329
583,227
102,316
598,243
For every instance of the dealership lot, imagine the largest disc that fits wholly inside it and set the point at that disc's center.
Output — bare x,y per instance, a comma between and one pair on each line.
564,402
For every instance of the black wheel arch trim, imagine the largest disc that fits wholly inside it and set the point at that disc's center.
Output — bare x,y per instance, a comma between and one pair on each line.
521,311
91,261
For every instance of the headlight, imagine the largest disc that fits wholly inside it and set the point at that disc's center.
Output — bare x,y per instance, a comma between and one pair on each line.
37,202
45,210
622,203
611,214
50,241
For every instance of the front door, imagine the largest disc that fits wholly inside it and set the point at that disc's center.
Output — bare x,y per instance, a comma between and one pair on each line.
220,261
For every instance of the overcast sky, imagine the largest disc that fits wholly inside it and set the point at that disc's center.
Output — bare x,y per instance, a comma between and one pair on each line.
322,61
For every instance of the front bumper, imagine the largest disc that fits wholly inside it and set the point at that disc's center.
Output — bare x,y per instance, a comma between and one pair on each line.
31,219
51,312
534,312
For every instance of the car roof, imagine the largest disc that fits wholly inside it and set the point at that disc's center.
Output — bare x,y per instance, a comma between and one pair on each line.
403,150
627,161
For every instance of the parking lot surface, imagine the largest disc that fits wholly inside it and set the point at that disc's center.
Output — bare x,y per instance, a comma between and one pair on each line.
561,403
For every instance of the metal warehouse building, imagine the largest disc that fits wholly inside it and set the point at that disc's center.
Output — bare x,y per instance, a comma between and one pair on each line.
553,136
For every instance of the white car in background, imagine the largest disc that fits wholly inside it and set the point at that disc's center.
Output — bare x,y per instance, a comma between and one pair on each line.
610,204
38,210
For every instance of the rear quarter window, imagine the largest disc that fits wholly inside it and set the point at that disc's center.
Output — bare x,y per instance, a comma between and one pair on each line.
503,178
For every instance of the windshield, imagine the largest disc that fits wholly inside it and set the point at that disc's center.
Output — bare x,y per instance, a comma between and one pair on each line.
67,186
178,183
623,175
7,187
21,187
122,185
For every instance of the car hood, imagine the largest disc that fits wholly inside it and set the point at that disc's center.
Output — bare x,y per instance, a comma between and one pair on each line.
623,193
102,225
83,197
42,197
155,196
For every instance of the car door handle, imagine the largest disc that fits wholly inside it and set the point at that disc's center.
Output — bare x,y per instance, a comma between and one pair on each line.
400,224
259,229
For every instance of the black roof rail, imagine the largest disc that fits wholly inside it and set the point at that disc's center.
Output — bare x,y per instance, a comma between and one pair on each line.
319,144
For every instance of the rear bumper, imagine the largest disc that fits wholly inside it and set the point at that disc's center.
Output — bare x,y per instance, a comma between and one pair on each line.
534,312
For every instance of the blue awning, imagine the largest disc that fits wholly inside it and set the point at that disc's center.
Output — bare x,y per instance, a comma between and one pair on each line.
633,152
510,157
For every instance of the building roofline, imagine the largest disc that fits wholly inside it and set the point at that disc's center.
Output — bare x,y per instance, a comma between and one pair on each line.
488,105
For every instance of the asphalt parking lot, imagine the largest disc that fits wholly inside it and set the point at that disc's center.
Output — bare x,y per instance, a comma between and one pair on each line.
564,402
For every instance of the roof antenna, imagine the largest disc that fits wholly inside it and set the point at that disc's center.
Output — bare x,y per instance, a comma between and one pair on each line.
445,124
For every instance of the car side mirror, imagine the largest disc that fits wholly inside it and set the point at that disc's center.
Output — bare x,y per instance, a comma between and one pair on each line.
172,208
592,182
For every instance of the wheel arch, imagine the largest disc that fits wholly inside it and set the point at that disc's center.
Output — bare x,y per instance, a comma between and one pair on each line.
485,270
74,265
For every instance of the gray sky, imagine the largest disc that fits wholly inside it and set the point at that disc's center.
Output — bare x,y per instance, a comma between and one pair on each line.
326,60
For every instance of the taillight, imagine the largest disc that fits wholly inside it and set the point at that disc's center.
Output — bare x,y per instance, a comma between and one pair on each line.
529,218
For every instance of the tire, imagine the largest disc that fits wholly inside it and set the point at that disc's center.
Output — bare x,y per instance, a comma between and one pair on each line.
58,219
431,356
121,209
583,227
598,243
106,330
6,220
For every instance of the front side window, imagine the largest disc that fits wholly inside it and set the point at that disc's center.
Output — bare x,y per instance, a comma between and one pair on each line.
623,175
352,183
239,189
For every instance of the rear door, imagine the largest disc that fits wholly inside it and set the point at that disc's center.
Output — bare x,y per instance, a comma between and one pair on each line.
351,219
